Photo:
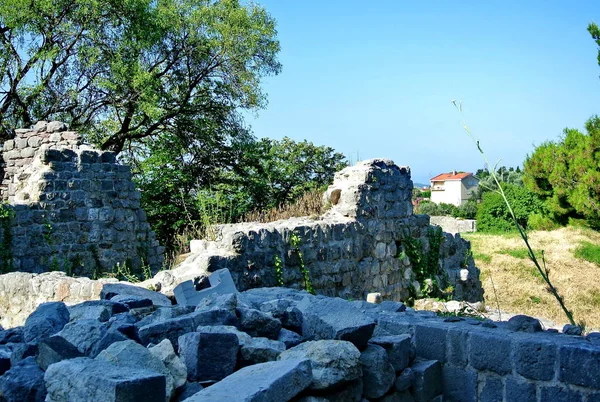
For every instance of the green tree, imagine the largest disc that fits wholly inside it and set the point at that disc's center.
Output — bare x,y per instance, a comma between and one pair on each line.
595,32
128,72
566,174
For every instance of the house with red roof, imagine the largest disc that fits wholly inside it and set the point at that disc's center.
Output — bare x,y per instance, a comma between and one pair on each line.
453,187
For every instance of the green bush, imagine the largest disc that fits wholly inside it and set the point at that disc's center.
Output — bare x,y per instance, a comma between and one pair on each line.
493,214
467,210
538,221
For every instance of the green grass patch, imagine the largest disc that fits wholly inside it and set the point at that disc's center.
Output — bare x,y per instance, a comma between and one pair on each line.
481,257
520,253
589,252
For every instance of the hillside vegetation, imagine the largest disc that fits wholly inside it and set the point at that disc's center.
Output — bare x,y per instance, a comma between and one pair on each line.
573,257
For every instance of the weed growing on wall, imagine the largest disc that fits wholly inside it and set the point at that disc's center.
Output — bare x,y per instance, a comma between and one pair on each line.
6,216
278,270
541,267
295,242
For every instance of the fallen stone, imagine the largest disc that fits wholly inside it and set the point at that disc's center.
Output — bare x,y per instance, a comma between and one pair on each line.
335,319
258,324
129,354
23,382
164,352
265,382
55,349
398,348
209,355
228,301
101,381
132,302
392,306
11,335
404,380
170,329
427,382
163,314
378,372
333,362
221,283
217,316
83,334
374,298
289,338
101,310
47,320
21,351
109,290
349,392
260,350
188,390
243,337
569,329
5,353
523,323
110,337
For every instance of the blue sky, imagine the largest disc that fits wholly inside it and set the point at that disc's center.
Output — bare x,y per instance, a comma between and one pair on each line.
375,78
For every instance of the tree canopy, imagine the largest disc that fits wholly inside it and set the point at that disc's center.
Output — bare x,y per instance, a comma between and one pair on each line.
125,72
566,174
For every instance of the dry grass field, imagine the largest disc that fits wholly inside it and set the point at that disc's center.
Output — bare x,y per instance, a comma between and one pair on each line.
519,287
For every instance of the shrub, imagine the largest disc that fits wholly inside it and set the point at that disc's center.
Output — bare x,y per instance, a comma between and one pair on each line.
493,214
538,221
467,210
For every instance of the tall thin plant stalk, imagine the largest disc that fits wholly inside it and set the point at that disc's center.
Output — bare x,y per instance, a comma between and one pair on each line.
542,269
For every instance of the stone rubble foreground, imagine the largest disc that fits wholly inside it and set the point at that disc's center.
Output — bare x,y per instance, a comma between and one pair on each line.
280,344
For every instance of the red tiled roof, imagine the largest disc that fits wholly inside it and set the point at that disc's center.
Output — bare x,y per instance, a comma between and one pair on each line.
451,176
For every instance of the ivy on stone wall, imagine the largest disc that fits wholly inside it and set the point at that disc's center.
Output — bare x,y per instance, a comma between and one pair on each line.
6,216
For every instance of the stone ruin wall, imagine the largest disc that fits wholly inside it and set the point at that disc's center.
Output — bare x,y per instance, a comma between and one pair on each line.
454,225
357,247
76,208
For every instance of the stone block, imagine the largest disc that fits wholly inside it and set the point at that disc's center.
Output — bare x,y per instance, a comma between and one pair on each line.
209,355
259,324
459,384
5,353
335,319
483,356
518,390
129,354
535,358
83,334
580,364
492,389
260,350
289,338
332,362
102,382
560,394
48,319
265,382
398,348
100,310
23,382
378,373
456,346
523,323
55,349
427,381
165,352
430,341
170,329
111,289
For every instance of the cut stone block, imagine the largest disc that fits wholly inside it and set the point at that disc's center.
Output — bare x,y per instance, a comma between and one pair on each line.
333,362
221,283
335,319
45,321
428,380
264,382
23,382
258,324
109,290
84,379
398,348
55,349
378,372
209,355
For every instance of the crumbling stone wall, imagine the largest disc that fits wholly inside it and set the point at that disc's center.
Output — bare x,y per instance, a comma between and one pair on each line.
358,247
454,225
76,208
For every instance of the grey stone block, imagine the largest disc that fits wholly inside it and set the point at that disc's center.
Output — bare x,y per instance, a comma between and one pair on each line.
170,329
259,324
5,353
483,356
260,350
535,358
580,364
459,384
398,348
21,351
265,382
430,341
517,390
335,319
84,334
456,346
523,323
129,354
492,389
45,321
560,394
378,372
289,338
188,390
102,381
428,380
55,349
165,352
333,362
23,382
112,289
404,380
209,356
217,316
100,310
